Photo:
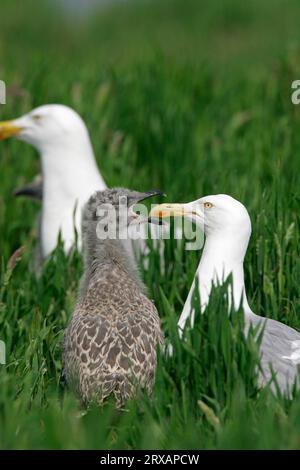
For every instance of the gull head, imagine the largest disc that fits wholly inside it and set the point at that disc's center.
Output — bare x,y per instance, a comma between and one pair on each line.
116,208
46,126
214,214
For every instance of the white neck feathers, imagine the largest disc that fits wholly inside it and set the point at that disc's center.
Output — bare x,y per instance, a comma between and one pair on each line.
70,177
223,254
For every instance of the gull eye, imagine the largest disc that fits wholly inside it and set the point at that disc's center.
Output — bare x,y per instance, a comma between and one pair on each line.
36,117
208,205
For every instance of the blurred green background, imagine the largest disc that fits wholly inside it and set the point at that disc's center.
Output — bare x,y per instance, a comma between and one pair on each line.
193,97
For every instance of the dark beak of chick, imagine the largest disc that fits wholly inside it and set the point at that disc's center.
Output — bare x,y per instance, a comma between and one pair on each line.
139,197
151,193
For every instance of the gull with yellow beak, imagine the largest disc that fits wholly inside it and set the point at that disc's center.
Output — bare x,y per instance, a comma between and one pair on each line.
70,172
227,228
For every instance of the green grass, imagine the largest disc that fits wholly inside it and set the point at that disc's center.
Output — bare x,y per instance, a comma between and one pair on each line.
194,100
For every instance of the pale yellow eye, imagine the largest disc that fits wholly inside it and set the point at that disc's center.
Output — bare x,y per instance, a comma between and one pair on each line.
208,205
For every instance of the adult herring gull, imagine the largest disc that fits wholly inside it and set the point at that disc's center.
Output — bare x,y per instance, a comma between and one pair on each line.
227,227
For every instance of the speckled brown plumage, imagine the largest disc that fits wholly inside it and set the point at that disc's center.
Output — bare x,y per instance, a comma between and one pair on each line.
111,342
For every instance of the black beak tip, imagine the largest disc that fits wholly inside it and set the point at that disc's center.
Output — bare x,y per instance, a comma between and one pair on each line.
156,192
138,197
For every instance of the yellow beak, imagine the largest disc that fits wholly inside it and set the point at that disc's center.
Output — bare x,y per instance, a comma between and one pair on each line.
8,129
168,210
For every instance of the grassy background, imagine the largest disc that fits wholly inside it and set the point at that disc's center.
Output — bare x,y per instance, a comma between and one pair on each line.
192,97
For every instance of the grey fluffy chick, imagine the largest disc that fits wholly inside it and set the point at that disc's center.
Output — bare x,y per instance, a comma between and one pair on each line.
110,345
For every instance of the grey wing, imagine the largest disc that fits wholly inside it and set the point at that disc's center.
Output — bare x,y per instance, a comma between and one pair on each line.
280,349
33,190
38,252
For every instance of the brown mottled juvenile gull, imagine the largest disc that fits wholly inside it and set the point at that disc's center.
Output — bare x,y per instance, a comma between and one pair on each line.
227,227
110,344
